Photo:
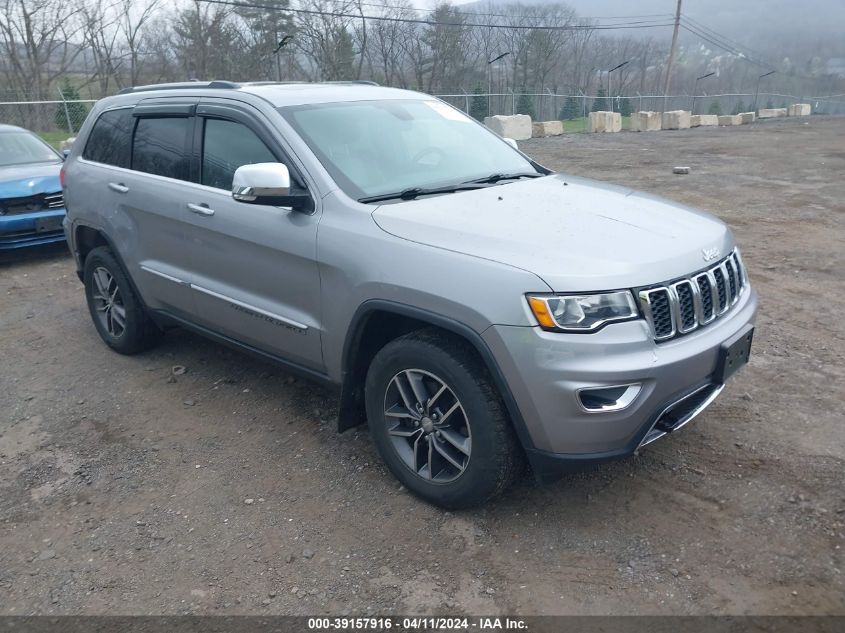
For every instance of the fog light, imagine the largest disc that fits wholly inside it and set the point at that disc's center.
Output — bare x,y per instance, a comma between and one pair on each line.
605,399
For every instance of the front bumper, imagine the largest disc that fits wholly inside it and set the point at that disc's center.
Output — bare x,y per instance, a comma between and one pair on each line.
545,370
27,229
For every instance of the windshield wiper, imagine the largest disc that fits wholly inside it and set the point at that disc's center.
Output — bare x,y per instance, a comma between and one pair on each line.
415,192
494,178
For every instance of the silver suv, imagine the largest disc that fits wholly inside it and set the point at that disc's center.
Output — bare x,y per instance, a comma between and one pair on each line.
477,310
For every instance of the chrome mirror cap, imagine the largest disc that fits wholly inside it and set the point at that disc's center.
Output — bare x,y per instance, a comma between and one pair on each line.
260,180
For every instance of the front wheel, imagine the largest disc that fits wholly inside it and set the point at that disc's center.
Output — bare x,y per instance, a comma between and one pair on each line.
438,422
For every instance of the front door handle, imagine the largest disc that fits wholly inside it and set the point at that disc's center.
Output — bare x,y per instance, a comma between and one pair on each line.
200,209
119,187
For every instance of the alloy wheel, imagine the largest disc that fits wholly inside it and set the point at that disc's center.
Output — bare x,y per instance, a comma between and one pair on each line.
427,425
108,302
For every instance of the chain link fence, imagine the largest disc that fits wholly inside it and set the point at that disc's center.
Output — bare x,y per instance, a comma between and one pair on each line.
60,119
55,120
574,110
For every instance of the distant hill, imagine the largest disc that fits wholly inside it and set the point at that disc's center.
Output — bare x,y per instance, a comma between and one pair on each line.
748,21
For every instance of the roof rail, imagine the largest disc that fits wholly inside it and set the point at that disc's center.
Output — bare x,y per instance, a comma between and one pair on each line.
181,85
363,82
229,85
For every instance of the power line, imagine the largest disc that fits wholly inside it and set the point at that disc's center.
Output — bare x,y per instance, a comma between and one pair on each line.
485,14
382,18
723,38
726,47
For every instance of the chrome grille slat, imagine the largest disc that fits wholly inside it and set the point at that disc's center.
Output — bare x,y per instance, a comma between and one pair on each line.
684,305
55,200
32,204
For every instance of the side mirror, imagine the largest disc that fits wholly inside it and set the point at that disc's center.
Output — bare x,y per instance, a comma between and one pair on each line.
510,142
268,183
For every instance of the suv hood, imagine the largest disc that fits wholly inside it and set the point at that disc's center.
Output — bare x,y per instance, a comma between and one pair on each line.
576,234
19,181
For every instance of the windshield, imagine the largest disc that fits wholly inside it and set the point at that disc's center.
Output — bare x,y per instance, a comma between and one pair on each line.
20,148
378,147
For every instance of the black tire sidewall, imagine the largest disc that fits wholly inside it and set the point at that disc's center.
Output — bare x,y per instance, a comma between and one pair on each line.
483,475
132,338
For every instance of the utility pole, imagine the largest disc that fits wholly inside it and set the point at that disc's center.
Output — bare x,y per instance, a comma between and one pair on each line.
672,51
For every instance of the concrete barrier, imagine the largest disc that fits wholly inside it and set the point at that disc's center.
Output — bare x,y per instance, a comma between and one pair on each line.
703,120
546,128
645,121
66,144
771,113
730,119
517,127
799,109
747,117
676,120
605,122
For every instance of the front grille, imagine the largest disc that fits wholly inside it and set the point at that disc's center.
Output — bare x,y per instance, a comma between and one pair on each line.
32,204
684,305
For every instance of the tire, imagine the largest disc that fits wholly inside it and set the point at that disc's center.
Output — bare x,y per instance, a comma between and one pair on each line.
474,452
118,314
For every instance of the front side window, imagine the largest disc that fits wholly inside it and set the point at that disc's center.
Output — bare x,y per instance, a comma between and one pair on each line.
110,141
376,147
159,146
23,148
226,146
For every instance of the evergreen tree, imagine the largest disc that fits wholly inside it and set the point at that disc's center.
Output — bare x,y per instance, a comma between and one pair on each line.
525,105
715,108
770,104
600,102
571,109
76,111
625,106
478,104
740,107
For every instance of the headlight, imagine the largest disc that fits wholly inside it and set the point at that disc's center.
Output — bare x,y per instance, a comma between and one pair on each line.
582,313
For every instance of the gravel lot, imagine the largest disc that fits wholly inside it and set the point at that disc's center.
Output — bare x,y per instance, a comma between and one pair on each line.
125,489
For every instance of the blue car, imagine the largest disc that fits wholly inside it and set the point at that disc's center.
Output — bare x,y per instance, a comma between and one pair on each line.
31,203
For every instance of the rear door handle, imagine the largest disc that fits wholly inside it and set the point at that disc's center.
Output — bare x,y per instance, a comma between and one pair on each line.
119,187
200,209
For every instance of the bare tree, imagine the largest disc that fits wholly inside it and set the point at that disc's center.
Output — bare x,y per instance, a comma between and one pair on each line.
135,18
36,39
101,39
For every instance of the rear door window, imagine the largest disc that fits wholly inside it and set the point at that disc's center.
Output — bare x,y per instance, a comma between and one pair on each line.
160,146
110,141
226,146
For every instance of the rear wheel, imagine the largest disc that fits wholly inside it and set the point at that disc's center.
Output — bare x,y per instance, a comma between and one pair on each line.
117,312
438,422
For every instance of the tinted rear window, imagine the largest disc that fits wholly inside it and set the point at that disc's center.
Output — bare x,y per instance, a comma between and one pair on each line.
111,138
160,146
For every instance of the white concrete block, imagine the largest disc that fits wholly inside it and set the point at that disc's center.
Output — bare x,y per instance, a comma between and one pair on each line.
66,144
799,109
646,121
702,120
730,119
547,128
747,117
605,122
676,120
771,113
517,127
